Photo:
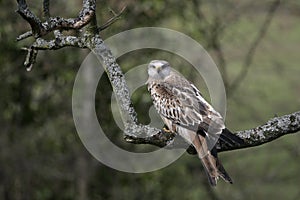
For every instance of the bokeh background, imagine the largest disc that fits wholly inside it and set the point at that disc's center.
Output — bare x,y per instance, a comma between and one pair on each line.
256,47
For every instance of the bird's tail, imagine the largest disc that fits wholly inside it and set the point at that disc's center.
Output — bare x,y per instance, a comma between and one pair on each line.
212,165
214,170
230,138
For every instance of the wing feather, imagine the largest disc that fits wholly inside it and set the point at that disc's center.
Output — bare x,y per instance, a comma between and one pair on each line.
184,106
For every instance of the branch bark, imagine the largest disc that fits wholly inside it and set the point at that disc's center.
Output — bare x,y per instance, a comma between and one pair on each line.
134,131
40,28
271,130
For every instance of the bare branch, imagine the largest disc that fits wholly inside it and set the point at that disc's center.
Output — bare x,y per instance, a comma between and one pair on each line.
41,44
112,20
267,132
116,77
253,47
212,33
57,24
30,58
54,23
46,9
203,22
217,47
62,41
24,36
32,19
271,130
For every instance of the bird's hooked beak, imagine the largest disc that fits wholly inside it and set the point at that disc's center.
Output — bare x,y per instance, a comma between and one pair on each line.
158,68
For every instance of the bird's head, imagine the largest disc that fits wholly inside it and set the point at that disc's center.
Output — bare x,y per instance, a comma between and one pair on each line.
159,69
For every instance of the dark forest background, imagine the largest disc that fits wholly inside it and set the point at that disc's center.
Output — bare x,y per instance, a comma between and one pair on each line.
256,47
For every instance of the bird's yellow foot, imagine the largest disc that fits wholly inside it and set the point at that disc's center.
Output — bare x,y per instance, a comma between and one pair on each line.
166,130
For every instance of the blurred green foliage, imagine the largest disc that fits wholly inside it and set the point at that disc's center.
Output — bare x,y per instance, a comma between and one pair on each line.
41,156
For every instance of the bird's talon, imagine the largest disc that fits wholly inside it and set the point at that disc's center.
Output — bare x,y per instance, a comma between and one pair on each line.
166,130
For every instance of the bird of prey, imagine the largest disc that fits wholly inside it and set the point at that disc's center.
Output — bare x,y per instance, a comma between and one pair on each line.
185,112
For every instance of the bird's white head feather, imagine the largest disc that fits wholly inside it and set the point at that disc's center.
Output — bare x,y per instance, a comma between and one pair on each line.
159,69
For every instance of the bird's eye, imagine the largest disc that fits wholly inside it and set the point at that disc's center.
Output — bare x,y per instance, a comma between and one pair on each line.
164,66
152,66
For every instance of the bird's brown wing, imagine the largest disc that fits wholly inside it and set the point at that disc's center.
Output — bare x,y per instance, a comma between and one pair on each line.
185,106
182,108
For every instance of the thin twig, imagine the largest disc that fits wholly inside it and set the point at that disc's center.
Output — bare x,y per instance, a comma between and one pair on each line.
211,32
46,9
32,19
250,54
56,24
30,58
217,47
202,21
112,20
40,29
24,36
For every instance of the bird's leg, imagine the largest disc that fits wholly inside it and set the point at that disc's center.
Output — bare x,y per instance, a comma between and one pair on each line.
166,129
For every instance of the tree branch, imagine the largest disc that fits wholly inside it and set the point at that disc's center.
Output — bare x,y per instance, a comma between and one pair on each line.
212,33
32,19
40,29
250,54
112,20
271,130
62,41
57,24
46,9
